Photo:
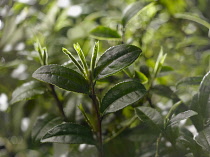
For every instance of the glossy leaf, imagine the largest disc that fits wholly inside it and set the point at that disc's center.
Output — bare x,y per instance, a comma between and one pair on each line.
132,11
115,59
190,81
27,91
182,116
150,116
105,33
62,77
204,95
69,133
43,124
203,139
122,95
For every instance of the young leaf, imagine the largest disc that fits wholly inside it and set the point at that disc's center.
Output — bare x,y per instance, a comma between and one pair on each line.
73,59
69,133
94,56
204,95
122,95
82,58
150,116
115,59
133,10
105,33
182,116
143,79
62,77
203,138
43,124
27,91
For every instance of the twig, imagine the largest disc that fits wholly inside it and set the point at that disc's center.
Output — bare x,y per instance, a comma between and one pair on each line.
58,102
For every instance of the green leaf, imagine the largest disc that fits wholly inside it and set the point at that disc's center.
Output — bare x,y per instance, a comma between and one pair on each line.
27,91
182,116
94,56
105,33
115,59
198,119
43,124
69,133
122,95
62,77
143,79
203,138
203,96
150,116
193,18
69,54
190,81
133,10
82,58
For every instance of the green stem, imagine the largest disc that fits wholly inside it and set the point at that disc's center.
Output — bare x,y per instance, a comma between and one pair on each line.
99,120
58,102
121,130
157,145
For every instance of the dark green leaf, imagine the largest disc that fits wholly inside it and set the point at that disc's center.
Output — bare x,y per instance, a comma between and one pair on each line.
182,116
165,91
115,59
43,124
203,96
150,116
69,133
133,10
198,119
62,77
190,81
203,138
27,91
122,95
105,33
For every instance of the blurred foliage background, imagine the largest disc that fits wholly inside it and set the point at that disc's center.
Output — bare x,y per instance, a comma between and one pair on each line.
61,23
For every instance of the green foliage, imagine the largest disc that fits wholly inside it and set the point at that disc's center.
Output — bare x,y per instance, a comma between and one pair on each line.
122,95
62,77
143,91
115,59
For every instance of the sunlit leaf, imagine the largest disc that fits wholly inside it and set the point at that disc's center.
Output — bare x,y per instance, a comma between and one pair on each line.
115,59
122,95
133,10
62,77
27,91
182,116
143,79
105,33
69,133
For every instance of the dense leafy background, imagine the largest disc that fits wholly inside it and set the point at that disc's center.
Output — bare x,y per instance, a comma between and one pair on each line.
158,29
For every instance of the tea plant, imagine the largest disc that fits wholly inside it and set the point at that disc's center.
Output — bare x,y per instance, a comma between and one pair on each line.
113,101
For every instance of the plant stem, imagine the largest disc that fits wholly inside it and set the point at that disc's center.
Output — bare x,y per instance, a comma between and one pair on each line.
58,102
99,119
157,145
